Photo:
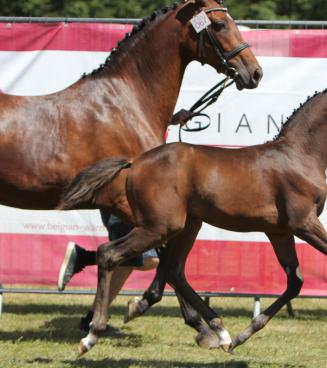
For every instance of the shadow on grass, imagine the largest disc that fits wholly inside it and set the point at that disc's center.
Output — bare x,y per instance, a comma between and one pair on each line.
66,330
80,310
126,363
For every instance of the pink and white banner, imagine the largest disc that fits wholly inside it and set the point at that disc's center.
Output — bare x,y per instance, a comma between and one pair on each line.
37,59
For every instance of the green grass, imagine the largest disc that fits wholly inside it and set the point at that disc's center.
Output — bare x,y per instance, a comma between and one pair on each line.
41,331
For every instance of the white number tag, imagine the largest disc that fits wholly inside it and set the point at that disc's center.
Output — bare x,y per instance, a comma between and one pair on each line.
200,22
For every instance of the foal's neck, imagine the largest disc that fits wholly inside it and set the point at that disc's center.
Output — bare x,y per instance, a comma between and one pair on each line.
306,130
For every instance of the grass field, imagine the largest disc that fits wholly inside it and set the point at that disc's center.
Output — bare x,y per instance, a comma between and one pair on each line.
41,331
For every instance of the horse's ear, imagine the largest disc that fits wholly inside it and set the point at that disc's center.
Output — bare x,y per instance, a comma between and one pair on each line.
197,2
187,11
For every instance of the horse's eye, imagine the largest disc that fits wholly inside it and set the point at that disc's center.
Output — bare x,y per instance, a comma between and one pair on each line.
218,26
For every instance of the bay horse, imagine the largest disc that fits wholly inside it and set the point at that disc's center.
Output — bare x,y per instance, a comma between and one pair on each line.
122,108
278,188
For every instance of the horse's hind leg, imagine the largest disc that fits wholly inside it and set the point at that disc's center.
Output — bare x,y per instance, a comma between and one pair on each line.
284,247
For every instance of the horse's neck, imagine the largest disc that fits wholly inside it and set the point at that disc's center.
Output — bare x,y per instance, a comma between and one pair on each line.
307,132
148,71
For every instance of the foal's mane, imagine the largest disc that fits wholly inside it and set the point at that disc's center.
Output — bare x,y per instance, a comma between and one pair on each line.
291,118
111,58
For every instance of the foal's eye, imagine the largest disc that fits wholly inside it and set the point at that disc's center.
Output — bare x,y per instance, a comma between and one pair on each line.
218,26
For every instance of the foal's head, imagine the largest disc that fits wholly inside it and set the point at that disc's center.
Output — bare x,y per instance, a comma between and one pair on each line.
213,38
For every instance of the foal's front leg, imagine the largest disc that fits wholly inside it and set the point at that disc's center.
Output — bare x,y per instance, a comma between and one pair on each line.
196,312
100,316
284,247
206,338
152,295
110,255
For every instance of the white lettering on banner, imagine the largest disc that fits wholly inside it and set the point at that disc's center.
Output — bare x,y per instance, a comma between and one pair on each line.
272,125
244,123
200,22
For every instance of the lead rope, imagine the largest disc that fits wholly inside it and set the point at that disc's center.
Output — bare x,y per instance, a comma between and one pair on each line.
210,97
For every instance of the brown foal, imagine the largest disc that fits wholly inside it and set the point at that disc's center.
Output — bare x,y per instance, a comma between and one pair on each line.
277,188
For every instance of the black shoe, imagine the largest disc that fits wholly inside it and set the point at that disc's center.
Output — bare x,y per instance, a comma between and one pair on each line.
84,324
70,265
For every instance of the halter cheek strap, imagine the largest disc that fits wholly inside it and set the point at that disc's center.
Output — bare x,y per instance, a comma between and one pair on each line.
223,56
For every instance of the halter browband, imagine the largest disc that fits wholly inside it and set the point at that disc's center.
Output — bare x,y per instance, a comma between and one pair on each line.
224,56
225,10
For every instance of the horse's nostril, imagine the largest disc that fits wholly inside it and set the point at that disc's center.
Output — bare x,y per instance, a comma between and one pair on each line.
257,75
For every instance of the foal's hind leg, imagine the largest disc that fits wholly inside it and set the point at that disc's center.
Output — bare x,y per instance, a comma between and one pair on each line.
314,233
284,248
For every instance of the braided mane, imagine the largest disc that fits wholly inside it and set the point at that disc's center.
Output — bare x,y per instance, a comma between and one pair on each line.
290,119
135,31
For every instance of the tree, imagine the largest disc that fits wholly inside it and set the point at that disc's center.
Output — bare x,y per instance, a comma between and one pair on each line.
240,9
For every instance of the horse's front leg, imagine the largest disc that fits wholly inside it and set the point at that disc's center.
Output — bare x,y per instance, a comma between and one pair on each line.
284,247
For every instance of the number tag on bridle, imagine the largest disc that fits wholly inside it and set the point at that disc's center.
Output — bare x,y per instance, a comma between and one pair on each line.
200,22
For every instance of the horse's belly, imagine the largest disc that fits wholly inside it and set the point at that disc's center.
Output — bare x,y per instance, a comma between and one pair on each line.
13,196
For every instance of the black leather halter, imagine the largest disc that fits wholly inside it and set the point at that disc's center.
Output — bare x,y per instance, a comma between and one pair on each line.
223,56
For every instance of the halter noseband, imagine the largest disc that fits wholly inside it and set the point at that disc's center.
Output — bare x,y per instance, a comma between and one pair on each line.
222,55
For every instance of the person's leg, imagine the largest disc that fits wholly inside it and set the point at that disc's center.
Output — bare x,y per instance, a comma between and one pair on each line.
75,259
116,229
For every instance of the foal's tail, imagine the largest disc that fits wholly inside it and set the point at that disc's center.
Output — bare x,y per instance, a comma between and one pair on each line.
84,187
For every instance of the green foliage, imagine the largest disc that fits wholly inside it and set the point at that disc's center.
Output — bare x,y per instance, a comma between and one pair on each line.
240,9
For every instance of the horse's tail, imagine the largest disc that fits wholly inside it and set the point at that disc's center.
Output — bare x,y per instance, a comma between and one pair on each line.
84,187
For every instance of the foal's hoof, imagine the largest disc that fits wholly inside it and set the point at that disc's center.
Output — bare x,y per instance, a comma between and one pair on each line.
208,340
134,309
228,348
232,346
82,349
87,344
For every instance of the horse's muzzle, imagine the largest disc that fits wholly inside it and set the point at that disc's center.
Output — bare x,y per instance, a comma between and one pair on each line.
250,81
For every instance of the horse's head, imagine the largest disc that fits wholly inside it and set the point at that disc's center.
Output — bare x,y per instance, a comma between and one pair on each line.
214,38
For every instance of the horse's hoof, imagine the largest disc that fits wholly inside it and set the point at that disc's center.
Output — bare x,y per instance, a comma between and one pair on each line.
133,309
208,340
